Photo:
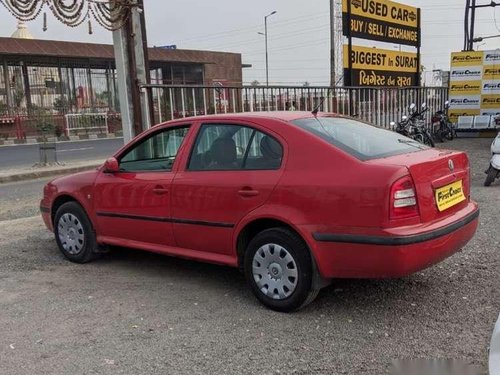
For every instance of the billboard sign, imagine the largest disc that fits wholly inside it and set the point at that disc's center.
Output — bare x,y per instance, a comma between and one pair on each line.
381,20
474,83
465,87
366,66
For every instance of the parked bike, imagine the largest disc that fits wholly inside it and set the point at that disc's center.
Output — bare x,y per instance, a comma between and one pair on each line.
442,128
413,126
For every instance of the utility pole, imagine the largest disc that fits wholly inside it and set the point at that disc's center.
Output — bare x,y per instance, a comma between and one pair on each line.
332,44
470,20
132,67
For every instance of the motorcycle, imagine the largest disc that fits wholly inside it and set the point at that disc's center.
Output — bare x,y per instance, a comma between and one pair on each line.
493,171
442,128
413,126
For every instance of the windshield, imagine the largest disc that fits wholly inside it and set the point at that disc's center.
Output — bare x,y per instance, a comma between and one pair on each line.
360,140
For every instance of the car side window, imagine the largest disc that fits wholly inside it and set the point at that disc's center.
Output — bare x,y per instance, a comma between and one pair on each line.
234,147
155,153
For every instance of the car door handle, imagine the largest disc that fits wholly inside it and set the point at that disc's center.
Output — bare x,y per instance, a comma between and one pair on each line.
248,192
160,190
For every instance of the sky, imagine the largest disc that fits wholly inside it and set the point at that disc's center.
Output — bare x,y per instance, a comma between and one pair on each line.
298,34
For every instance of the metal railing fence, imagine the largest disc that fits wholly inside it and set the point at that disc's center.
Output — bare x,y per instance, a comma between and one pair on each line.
78,123
378,106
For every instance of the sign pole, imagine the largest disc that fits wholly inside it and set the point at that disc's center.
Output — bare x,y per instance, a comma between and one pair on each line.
349,59
349,45
332,43
418,80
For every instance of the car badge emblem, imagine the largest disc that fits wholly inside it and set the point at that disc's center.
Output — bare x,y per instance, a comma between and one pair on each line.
451,165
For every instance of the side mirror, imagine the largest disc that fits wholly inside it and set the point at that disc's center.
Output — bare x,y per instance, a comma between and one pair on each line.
404,118
111,166
412,107
424,105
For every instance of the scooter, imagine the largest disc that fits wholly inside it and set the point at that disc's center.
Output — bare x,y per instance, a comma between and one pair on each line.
494,169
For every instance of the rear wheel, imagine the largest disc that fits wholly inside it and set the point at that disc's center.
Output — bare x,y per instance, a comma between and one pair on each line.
427,139
74,233
491,174
278,269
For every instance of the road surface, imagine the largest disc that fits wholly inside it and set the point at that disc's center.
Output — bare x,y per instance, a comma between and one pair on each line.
137,313
26,155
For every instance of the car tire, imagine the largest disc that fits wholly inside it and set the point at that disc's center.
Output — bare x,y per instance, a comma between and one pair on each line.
278,268
74,233
450,133
427,139
491,174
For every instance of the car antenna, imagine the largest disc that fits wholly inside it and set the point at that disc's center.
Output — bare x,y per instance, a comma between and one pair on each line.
316,109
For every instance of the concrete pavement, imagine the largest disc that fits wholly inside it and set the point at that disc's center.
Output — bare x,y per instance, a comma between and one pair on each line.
20,174
26,155
138,313
17,162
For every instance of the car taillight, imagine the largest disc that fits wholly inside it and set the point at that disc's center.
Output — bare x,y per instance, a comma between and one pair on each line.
403,199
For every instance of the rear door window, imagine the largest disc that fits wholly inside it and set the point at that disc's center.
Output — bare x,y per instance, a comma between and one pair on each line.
358,139
234,147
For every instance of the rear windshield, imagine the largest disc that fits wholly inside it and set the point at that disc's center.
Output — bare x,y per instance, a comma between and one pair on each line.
361,140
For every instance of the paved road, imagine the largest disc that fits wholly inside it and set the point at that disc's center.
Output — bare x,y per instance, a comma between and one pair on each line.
21,199
27,155
139,313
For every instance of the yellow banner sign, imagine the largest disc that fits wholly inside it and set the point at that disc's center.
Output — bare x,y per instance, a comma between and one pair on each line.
380,59
383,10
490,101
465,87
468,58
491,72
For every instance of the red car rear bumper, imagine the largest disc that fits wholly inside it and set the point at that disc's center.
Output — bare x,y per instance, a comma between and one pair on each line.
393,253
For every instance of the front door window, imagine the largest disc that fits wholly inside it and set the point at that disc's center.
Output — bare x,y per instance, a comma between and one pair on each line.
156,153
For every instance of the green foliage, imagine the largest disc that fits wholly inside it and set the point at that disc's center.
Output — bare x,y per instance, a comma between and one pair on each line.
18,96
4,109
62,104
44,122
86,122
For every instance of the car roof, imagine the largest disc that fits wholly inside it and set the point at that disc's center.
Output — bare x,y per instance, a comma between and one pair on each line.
275,115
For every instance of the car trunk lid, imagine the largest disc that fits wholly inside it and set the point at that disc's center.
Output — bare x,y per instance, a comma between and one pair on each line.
441,178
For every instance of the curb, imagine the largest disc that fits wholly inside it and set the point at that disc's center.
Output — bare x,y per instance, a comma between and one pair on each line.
31,142
48,173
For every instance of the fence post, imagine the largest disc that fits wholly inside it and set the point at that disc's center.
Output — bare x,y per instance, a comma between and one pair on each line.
65,126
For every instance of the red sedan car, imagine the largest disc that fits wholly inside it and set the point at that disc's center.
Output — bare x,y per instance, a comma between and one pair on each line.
293,199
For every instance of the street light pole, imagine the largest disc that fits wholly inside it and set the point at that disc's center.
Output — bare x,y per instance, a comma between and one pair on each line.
267,56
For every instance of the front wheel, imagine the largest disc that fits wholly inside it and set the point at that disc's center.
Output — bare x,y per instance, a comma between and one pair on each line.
491,174
451,133
74,233
278,269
